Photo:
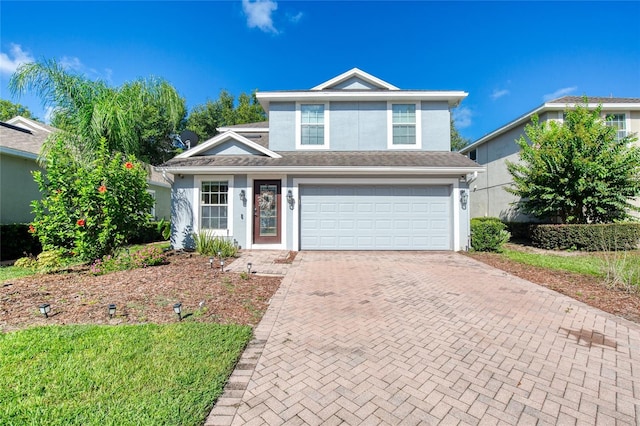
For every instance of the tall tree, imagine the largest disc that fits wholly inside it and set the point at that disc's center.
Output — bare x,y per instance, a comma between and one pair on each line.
8,110
206,118
577,171
457,141
136,118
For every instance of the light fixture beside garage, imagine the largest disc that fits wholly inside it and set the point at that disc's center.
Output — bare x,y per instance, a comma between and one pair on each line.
290,199
464,197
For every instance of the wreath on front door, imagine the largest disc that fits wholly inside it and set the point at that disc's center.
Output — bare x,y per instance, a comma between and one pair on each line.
266,200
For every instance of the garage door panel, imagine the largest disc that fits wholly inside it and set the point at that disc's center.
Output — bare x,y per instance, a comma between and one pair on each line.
375,218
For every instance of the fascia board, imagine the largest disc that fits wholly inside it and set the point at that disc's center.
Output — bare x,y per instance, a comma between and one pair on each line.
418,95
355,72
18,153
26,123
243,129
327,170
223,137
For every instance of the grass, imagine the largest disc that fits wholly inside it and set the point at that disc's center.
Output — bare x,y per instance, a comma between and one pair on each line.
111,375
621,268
12,272
581,264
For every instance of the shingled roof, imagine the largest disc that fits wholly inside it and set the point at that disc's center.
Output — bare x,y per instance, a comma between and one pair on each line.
26,140
346,159
594,99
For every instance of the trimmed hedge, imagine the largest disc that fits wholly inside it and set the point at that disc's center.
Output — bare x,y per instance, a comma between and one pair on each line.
488,234
601,237
16,242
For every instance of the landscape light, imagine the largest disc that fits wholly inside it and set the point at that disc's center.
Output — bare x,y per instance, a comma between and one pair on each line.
211,262
112,310
249,268
45,309
177,308
221,265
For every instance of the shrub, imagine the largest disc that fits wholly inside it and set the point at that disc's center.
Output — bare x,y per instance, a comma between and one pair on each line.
488,234
150,233
148,256
16,241
208,245
595,237
28,262
51,260
90,209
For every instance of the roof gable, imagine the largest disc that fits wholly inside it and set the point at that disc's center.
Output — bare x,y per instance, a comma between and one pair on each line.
355,79
228,143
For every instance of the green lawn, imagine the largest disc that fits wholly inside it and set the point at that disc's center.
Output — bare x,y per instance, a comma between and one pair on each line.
114,375
12,272
621,268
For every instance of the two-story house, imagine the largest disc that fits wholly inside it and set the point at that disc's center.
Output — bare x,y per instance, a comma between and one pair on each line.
488,196
352,164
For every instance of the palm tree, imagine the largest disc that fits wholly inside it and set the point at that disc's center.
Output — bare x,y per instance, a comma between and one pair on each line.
136,118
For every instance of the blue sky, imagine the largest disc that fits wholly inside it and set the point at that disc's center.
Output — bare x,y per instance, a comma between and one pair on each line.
509,56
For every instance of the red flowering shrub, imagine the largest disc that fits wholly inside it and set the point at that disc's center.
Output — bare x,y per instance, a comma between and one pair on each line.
74,217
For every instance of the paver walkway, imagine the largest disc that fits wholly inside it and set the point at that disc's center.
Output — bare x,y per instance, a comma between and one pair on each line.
430,338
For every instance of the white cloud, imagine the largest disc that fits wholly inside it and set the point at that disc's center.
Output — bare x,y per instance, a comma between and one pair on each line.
10,63
559,93
71,63
499,93
462,117
295,18
48,114
259,14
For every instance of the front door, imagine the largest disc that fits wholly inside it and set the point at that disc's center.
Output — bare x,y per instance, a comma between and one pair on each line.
266,207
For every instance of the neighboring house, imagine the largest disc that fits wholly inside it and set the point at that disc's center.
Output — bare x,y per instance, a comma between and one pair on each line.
488,196
21,140
352,164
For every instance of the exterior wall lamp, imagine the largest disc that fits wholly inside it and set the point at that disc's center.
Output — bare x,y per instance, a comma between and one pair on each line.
243,195
464,197
290,199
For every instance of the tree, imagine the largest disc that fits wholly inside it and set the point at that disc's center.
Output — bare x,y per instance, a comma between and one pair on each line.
457,141
576,171
89,209
8,110
206,118
136,118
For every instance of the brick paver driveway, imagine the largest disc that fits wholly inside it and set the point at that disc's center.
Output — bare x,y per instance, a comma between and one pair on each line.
430,338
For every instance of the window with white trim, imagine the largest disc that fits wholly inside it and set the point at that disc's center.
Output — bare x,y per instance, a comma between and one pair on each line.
403,120
214,204
404,128
312,126
619,122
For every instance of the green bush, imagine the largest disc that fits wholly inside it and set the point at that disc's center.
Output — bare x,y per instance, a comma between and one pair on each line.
208,245
150,233
595,237
488,234
147,256
89,209
16,241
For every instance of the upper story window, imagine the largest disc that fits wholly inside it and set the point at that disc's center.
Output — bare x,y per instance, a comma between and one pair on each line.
404,126
312,129
619,122
214,204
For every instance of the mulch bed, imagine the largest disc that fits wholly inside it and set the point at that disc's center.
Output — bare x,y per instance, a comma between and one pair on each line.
144,295
586,288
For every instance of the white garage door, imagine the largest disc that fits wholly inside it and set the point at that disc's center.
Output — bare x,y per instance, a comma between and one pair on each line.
375,217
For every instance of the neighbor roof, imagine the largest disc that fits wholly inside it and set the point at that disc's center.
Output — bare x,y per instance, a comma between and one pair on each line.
18,139
560,104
